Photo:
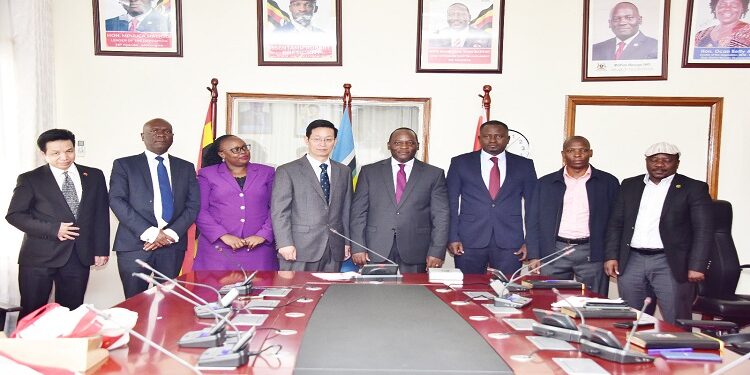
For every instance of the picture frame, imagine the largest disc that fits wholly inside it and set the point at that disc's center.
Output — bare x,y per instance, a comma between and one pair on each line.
273,123
632,46
464,37
147,29
299,32
701,49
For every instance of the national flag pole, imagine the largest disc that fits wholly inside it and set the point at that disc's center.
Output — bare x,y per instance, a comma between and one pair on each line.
208,135
484,115
344,151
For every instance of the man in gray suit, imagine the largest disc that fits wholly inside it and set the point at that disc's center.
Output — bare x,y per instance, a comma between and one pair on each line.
400,208
310,195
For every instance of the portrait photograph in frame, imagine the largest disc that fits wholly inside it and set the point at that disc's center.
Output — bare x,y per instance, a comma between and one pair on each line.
460,37
625,41
299,32
138,28
717,34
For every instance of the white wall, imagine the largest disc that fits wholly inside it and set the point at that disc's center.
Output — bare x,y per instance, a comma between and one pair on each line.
105,99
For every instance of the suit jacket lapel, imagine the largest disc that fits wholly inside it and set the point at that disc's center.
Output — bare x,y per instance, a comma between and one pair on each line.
335,174
142,166
251,176
226,176
475,168
669,199
86,185
386,173
307,170
416,173
55,193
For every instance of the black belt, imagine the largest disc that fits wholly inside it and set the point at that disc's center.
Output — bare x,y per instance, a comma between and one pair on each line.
573,241
647,251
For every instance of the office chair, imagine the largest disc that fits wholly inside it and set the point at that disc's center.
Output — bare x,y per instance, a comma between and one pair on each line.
716,296
4,309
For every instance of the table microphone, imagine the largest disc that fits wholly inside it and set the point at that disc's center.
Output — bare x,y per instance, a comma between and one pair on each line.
557,325
515,300
144,339
228,356
222,306
169,279
576,309
646,302
500,277
244,287
206,338
378,269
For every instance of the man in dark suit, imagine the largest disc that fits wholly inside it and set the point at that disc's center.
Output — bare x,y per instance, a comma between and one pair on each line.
311,195
140,16
62,209
400,209
489,186
660,235
571,207
629,42
156,199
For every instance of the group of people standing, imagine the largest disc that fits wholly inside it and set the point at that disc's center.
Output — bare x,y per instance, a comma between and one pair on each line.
653,234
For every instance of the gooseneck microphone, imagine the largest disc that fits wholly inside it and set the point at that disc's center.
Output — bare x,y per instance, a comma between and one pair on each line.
169,279
515,300
145,340
375,270
646,302
576,309
222,306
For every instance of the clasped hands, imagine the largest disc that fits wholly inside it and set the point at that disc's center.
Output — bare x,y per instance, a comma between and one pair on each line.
162,239
236,242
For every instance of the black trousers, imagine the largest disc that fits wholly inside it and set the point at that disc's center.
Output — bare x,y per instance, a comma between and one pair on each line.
166,261
35,285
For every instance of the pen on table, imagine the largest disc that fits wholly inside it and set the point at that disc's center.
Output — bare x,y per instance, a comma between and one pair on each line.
669,350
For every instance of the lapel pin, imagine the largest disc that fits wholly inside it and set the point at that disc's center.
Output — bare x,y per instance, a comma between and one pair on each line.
678,186
635,44
85,174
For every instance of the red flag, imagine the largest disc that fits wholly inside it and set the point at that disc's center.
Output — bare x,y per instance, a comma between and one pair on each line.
480,121
207,138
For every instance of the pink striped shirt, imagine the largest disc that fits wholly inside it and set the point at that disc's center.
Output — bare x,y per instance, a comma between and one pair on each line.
574,222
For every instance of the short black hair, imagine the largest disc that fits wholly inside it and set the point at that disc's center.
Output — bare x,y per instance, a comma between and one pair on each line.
320,123
744,6
55,135
211,152
574,138
403,128
493,122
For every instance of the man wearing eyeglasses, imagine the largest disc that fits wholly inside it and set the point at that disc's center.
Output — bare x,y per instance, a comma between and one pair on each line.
311,195
155,197
486,192
629,42
571,207
400,209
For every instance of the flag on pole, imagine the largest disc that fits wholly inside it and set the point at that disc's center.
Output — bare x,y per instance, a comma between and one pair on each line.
207,138
483,22
276,17
480,121
343,153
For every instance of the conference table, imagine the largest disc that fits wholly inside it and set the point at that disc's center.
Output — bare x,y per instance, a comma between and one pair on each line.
164,318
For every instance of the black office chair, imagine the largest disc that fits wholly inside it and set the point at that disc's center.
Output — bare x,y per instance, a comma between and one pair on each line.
716,297
4,309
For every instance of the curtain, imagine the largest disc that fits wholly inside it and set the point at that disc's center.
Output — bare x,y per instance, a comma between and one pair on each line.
27,96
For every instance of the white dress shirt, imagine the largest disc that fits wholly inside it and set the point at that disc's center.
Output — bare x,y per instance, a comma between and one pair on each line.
151,233
395,168
647,233
74,176
487,167
315,163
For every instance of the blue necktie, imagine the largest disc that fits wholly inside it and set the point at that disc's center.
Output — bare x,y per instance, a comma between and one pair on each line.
167,202
325,183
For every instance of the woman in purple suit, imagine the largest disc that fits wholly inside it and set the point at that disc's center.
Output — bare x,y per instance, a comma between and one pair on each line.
234,220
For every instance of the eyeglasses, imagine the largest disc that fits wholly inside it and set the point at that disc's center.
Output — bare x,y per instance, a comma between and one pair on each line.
240,149
624,18
322,140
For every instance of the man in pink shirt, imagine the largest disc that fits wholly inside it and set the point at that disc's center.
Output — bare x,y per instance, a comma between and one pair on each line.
571,207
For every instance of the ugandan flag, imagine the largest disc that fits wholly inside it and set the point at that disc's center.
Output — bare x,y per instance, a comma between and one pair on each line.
483,21
208,135
275,15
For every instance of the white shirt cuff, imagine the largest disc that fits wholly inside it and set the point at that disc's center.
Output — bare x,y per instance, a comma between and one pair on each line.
172,234
150,234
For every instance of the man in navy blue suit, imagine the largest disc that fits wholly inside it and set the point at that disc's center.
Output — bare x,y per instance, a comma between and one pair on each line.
489,186
156,199
140,16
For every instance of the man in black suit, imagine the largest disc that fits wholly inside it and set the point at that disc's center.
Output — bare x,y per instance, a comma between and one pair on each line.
629,42
139,16
660,235
155,197
62,209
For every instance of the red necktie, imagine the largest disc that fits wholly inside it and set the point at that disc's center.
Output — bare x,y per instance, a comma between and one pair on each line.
620,48
400,182
133,25
494,179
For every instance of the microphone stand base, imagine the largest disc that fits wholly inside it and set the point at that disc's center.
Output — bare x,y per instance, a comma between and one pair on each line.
203,312
613,354
244,289
223,356
556,332
201,339
513,300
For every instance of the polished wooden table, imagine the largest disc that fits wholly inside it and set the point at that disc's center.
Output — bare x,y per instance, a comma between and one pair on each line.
165,318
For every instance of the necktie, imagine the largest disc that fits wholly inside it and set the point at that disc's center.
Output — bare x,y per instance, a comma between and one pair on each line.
325,183
70,194
167,201
133,25
400,182
620,48
494,179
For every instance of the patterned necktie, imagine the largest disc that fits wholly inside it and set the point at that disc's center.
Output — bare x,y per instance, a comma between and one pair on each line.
325,183
400,182
70,194
620,48
167,201
494,179
133,25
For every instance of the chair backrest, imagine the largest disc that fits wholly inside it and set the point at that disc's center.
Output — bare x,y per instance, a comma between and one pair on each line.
724,267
